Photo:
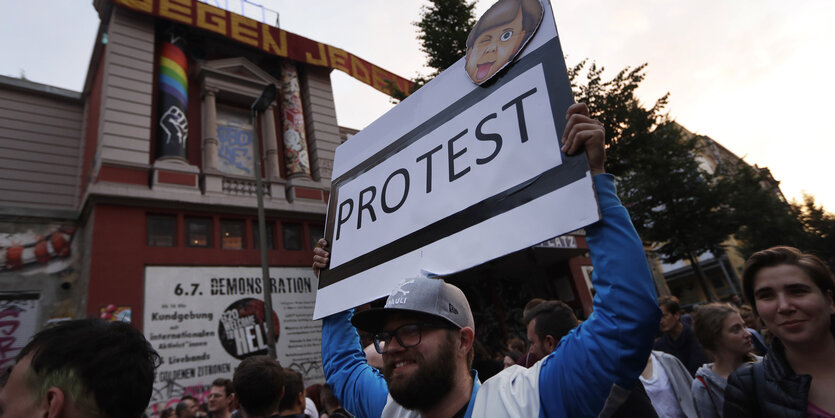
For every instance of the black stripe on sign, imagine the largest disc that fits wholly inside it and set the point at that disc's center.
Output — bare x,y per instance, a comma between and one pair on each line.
572,169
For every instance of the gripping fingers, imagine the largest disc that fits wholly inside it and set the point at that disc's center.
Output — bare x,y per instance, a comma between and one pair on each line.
577,108
321,257
580,133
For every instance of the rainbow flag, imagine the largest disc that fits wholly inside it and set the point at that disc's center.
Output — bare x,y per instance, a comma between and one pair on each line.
172,74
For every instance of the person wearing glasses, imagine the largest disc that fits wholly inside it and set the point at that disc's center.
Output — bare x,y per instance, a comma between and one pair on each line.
425,332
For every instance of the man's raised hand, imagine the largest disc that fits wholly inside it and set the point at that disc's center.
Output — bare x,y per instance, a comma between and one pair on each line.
582,131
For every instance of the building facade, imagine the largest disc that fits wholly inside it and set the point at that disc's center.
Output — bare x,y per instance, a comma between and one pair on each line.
723,270
135,199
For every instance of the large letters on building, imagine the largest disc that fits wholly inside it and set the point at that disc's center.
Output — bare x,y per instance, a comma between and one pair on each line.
269,39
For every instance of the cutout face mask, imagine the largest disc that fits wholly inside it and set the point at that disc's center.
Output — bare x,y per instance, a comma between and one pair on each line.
499,36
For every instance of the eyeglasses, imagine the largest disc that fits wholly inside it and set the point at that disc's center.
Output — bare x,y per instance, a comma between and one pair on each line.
408,335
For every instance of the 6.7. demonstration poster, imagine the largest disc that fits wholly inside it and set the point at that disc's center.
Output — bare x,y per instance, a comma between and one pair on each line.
204,320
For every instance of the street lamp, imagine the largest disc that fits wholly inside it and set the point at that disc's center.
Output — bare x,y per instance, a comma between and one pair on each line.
260,105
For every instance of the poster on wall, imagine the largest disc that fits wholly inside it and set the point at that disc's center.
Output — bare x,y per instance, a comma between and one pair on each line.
18,323
204,320
234,141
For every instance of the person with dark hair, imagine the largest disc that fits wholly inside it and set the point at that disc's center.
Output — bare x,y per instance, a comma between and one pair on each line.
517,344
203,410
483,362
529,358
168,413
752,324
312,403
511,358
332,406
677,337
293,401
792,292
221,398
187,407
547,323
425,332
722,333
87,367
258,384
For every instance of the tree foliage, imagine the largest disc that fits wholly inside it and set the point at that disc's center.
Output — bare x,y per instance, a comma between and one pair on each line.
820,228
673,201
764,218
444,26
443,29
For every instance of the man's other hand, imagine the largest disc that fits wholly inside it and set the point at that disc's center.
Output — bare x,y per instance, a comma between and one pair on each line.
321,257
582,131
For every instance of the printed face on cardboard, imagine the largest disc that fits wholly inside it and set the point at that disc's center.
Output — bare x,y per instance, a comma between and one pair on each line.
499,36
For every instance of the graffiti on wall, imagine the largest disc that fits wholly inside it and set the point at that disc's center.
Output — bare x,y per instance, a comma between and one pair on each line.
18,317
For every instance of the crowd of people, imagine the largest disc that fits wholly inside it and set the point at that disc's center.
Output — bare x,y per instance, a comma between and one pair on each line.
635,355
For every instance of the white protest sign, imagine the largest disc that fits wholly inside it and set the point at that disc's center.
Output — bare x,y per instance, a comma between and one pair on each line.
204,320
456,175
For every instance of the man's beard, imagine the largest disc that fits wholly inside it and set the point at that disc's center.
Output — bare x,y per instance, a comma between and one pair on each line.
432,380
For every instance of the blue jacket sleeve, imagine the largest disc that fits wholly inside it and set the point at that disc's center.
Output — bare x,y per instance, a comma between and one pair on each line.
360,387
613,344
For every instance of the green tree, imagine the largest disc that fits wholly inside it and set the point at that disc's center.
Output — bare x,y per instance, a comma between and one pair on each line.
672,200
443,29
763,216
444,26
820,226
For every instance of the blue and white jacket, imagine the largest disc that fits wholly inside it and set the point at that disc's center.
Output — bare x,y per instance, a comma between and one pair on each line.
600,359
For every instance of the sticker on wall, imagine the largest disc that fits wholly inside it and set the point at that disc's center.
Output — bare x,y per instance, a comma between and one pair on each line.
115,313
243,328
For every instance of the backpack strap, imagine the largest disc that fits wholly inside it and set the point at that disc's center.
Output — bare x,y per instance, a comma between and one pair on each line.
713,401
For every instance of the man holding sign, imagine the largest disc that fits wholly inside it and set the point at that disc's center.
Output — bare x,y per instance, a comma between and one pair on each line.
425,332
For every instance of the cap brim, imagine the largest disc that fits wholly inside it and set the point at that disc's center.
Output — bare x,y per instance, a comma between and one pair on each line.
372,320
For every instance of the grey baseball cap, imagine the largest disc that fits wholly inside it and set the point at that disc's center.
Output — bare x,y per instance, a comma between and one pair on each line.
425,295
